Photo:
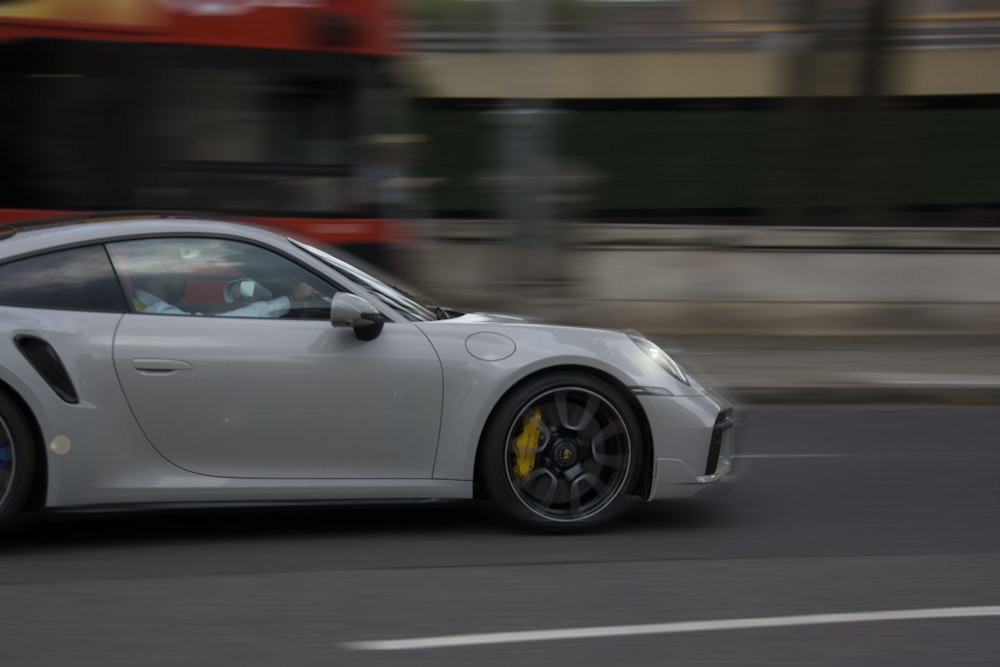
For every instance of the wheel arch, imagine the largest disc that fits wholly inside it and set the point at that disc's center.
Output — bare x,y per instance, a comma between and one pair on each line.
39,485
643,480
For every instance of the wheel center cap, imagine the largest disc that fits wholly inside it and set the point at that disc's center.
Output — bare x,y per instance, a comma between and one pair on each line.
565,453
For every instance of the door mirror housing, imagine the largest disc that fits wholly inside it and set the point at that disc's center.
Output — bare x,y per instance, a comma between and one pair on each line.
350,310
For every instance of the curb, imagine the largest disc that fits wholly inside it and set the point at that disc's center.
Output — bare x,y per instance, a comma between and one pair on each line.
863,395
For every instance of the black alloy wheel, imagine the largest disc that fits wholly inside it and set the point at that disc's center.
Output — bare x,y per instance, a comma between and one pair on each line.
562,452
17,458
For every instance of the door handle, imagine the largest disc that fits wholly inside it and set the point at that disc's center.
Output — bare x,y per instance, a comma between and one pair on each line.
161,365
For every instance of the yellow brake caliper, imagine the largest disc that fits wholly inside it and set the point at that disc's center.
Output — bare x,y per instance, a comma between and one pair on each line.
526,445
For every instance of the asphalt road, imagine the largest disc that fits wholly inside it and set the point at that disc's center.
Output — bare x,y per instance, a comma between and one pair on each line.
859,511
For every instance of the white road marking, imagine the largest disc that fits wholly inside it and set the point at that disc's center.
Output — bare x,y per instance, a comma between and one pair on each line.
790,456
449,641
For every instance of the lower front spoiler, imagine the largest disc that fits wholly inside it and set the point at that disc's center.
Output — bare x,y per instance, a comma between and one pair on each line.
673,478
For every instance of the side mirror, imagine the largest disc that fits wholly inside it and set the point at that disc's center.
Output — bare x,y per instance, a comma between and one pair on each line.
245,290
350,310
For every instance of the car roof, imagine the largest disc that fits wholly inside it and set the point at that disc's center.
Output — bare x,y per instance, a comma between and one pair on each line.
28,236
8,229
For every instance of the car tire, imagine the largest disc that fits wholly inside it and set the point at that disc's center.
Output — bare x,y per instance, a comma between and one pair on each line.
17,459
561,453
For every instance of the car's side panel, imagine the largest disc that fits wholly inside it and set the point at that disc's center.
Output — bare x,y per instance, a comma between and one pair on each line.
95,453
293,399
89,445
474,386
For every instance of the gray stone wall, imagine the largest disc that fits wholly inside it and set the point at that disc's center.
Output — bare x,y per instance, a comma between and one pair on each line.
722,280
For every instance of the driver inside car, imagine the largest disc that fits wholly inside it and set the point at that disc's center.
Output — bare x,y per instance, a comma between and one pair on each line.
157,293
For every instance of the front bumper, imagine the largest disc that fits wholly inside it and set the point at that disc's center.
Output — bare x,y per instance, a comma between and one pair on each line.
694,444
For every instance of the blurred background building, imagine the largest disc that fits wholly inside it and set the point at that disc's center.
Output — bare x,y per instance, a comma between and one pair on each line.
796,111
647,156
629,142
806,111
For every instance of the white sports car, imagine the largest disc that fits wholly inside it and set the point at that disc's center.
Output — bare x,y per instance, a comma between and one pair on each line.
163,360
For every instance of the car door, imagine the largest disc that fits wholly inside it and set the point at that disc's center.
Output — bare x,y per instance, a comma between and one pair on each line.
271,397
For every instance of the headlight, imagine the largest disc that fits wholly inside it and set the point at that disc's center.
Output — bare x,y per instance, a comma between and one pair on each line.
661,358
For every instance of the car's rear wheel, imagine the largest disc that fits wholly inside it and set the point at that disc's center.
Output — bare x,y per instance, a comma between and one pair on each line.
561,452
17,458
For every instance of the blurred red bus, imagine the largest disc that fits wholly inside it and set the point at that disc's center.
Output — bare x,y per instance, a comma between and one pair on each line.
258,108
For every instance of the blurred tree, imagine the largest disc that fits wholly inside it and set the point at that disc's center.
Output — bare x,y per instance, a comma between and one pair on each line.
833,150
788,182
874,172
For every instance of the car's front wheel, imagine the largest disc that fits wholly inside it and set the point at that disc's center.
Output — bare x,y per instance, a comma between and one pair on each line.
561,452
17,458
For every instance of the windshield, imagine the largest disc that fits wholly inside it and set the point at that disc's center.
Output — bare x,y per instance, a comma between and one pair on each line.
413,308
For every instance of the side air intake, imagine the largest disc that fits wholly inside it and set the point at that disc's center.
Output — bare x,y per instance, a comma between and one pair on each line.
43,358
722,426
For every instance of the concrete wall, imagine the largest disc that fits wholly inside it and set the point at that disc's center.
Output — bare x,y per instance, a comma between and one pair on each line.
718,280
697,73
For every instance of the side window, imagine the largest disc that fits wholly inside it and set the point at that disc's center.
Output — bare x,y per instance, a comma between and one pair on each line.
217,278
74,279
